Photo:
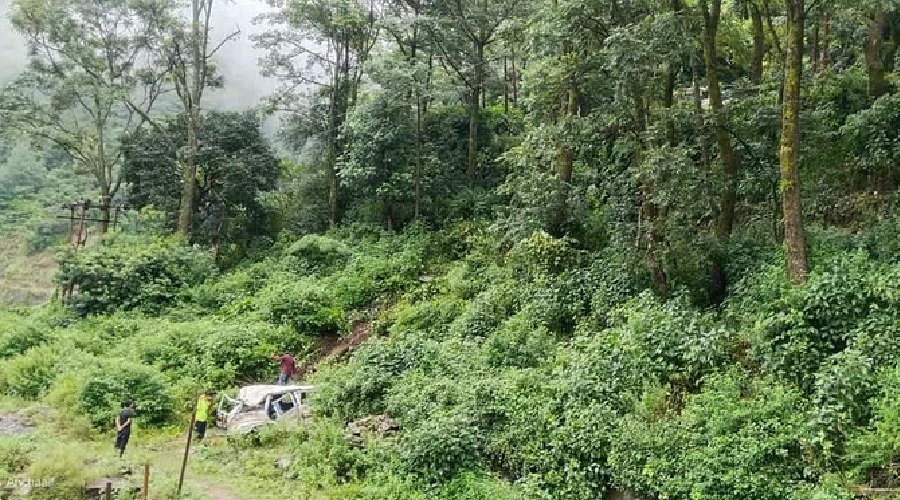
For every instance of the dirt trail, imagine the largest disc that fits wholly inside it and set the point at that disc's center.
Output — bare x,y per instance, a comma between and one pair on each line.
212,490
334,347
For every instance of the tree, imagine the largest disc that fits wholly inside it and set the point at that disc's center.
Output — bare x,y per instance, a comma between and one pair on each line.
789,152
347,30
462,31
91,80
712,11
234,164
406,26
882,41
189,54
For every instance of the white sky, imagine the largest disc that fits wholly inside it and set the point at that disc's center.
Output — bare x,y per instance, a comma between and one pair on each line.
237,61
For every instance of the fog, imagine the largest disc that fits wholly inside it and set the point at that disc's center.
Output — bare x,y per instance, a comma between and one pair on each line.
244,86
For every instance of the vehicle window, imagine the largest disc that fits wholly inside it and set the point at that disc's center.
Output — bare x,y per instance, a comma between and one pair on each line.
286,402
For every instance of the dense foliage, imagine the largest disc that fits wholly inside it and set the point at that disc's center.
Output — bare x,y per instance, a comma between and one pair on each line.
571,248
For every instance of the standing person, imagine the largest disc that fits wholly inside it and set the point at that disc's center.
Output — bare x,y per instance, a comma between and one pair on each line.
288,367
201,414
123,426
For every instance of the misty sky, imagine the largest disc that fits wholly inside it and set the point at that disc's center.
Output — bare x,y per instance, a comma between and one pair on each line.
244,86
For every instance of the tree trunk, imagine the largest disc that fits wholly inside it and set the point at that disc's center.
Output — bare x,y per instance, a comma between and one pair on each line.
699,121
878,85
515,83
418,174
826,28
649,212
505,85
105,210
472,164
331,155
474,112
789,153
727,201
814,51
759,44
189,177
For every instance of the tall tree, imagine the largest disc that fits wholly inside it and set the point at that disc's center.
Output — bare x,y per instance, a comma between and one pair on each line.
789,153
189,55
879,49
462,33
346,30
712,11
92,79
406,26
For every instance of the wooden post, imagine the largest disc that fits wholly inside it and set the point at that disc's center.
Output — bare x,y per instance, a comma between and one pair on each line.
107,494
187,448
145,491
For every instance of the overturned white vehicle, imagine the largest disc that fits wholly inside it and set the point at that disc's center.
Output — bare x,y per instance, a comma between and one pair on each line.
259,405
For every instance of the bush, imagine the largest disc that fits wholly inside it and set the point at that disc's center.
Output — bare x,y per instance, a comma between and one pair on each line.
58,472
520,343
15,454
214,352
31,374
132,273
101,391
358,388
304,305
315,254
878,445
796,329
738,438
20,332
442,446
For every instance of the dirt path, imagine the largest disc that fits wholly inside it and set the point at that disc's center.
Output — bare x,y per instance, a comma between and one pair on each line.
212,490
335,347
166,459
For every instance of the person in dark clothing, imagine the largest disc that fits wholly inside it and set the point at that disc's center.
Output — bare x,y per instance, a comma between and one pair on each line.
123,426
288,367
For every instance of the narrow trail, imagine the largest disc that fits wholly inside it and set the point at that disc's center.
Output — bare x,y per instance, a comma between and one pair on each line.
334,347
166,459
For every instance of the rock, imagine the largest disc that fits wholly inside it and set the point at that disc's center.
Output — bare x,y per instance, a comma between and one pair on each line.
377,425
283,463
13,424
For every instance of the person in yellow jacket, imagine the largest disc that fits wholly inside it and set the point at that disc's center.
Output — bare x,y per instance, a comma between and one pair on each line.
201,414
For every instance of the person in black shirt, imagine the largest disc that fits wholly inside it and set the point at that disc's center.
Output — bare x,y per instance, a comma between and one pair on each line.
123,426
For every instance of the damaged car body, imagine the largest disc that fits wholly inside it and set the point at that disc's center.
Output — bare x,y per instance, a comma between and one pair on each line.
259,405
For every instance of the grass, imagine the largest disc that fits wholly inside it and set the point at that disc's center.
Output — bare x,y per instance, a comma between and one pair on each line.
24,279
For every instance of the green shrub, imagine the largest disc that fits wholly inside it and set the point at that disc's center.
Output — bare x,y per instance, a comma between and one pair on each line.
235,287
520,343
15,454
878,445
304,305
430,319
442,446
476,486
132,273
102,389
796,329
214,352
315,254
20,332
738,438
58,472
358,388
487,310
31,374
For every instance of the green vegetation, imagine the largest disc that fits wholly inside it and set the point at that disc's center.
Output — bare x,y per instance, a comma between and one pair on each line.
571,248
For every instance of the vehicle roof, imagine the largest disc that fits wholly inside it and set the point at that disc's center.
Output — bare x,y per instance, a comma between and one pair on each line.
256,394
